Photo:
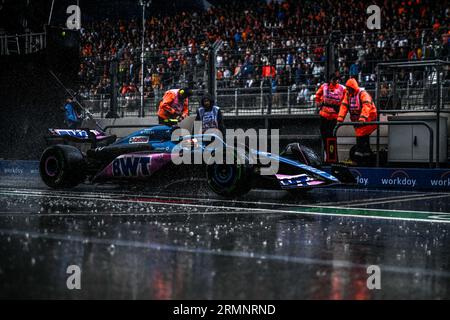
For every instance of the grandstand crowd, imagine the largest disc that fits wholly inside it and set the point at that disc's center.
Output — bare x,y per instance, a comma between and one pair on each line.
290,35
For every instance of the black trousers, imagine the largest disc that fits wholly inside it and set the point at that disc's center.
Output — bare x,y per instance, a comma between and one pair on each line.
326,129
363,144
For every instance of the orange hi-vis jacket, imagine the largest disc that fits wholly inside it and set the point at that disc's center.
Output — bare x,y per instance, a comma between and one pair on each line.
330,96
171,105
361,107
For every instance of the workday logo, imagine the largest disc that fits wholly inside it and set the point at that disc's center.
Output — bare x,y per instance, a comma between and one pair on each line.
359,177
399,178
444,180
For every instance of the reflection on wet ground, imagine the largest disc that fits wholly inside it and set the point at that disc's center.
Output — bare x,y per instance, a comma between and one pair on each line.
135,244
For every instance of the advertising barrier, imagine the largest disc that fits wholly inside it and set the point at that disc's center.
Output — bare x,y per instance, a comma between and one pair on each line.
19,168
407,179
396,178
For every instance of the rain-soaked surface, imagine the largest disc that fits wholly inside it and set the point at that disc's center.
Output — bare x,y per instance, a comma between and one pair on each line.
136,243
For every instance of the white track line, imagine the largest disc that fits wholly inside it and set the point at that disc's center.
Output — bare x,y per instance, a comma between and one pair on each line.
92,196
256,210
348,202
401,200
146,202
289,205
117,214
232,254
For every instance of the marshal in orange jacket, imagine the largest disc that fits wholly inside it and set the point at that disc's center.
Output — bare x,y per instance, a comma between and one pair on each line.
330,96
173,105
361,106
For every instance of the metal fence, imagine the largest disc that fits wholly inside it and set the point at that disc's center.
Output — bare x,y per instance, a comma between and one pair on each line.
259,101
413,86
420,86
22,44
419,96
233,102
401,96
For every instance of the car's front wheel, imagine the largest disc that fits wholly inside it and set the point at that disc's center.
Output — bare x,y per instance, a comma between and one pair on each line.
229,180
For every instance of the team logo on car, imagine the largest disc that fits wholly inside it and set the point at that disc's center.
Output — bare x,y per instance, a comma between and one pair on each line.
131,166
138,140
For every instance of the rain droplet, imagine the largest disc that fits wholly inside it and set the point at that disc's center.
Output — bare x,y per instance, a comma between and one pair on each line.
111,249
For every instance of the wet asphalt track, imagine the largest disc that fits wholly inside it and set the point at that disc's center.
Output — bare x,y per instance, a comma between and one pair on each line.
132,243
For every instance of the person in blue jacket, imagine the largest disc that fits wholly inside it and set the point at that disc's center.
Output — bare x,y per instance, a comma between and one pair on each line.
210,115
73,118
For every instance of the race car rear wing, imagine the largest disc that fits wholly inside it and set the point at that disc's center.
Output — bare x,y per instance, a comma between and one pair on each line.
56,136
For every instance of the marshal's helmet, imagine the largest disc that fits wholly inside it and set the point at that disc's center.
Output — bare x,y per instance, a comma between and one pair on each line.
185,93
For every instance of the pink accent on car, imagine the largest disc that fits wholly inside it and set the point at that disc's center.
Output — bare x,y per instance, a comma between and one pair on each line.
134,165
315,183
283,176
159,161
51,166
108,171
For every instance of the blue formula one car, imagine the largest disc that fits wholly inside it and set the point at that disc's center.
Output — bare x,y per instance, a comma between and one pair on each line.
147,156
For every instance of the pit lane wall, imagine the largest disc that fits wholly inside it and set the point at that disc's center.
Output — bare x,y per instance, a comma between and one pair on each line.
405,179
371,178
19,168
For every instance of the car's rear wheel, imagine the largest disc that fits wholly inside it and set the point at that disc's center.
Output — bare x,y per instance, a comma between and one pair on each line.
62,166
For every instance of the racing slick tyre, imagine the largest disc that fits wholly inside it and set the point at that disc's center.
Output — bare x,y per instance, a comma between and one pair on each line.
230,180
62,166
